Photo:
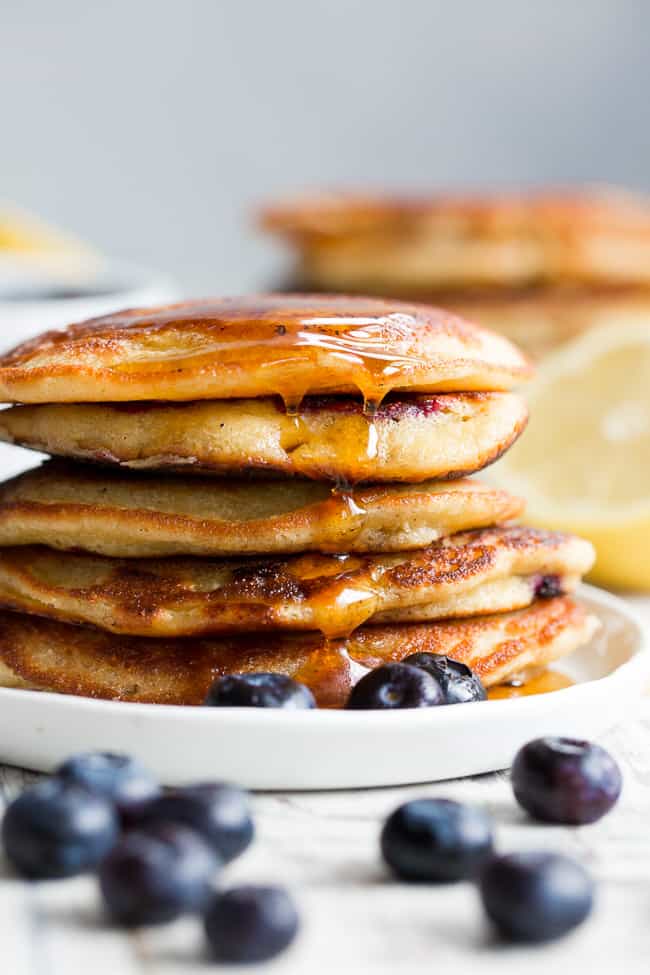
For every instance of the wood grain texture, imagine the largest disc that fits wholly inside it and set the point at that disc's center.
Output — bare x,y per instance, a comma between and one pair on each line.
357,920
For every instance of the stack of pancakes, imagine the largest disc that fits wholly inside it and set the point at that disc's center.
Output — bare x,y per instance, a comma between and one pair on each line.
539,267
277,484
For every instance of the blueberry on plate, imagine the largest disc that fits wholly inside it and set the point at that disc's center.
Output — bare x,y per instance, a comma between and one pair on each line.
562,780
259,691
535,896
396,686
459,683
250,924
157,873
119,778
436,840
57,829
221,813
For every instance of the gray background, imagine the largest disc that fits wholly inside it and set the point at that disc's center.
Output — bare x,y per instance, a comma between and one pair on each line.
152,127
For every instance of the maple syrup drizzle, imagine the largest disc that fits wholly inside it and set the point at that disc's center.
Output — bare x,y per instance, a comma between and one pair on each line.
331,673
543,682
368,347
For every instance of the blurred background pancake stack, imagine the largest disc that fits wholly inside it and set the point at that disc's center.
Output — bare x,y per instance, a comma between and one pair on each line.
540,267
279,483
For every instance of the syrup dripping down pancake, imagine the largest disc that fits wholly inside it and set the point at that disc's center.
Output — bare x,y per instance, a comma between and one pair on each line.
411,438
265,345
138,515
55,656
486,571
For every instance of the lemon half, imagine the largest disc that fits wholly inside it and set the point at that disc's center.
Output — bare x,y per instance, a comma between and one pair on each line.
584,462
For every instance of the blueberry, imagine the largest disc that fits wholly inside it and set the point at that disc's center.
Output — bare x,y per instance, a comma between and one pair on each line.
459,684
436,840
259,691
156,873
535,896
250,924
57,829
561,780
116,777
396,686
221,813
548,587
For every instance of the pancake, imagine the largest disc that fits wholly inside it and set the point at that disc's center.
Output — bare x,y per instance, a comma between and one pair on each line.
490,570
77,660
285,345
137,515
388,244
411,438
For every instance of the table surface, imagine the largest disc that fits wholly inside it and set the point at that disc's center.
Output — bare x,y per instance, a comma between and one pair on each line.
324,846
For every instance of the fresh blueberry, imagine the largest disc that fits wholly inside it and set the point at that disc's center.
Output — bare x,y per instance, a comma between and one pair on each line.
250,924
396,686
459,684
57,829
259,691
562,780
436,840
535,896
221,813
157,873
119,778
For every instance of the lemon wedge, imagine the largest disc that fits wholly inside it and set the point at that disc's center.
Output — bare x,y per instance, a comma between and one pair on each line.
584,463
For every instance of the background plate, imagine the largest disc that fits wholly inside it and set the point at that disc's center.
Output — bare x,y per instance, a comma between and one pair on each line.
339,749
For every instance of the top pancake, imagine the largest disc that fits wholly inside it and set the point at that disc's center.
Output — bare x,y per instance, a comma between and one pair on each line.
285,345
387,243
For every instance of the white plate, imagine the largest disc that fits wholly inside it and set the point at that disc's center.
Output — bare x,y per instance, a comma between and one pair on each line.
338,749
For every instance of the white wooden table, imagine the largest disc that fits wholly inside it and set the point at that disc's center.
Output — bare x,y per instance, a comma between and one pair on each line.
356,919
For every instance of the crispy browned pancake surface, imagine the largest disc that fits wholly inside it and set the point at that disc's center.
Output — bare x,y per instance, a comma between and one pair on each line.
264,345
67,506
490,570
77,660
413,438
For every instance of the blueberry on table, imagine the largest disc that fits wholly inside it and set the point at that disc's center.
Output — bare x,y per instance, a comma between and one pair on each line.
459,683
221,813
563,780
157,873
250,924
535,896
259,691
436,840
119,778
58,829
396,686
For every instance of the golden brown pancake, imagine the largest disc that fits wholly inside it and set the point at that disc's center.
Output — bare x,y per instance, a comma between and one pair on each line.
411,438
387,244
77,660
484,571
133,515
265,345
